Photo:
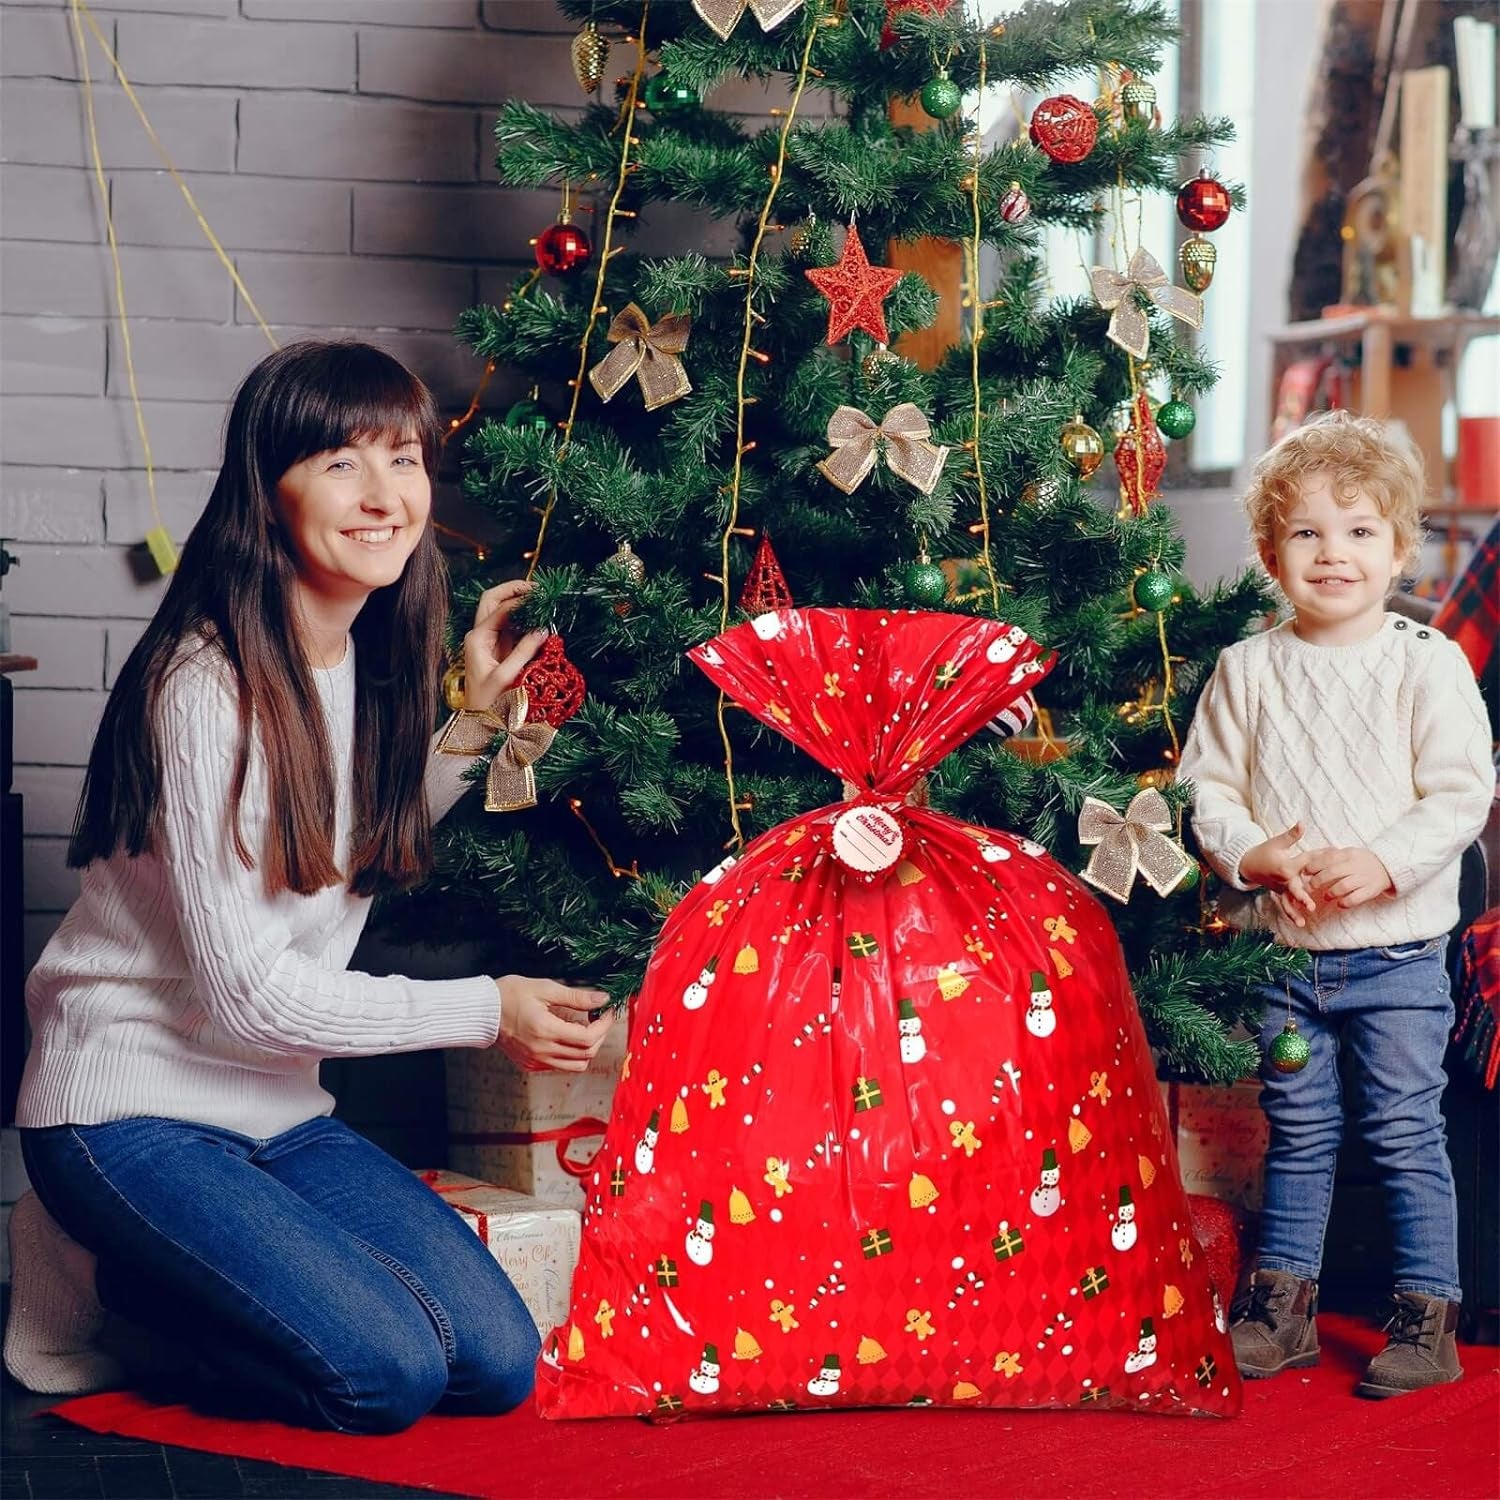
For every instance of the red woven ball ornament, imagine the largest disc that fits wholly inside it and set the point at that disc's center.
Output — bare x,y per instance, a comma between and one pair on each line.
554,686
1064,127
561,248
893,8
1203,203
1140,458
1223,1233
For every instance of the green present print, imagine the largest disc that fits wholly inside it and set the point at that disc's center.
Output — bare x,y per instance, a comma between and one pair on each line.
867,1094
875,1243
863,944
666,1271
1007,1243
1095,1393
1207,1368
1094,1281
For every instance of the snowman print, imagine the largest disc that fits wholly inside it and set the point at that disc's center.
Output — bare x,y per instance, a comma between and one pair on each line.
913,1047
695,996
826,1381
705,1379
1046,1198
1041,1019
1143,1356
645,1148
1122,1234
1004,646
700,1246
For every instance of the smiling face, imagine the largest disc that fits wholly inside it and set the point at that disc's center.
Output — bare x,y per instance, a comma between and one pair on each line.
1335,562
353,516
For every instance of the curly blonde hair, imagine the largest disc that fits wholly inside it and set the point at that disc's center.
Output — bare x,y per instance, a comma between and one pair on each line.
1360,456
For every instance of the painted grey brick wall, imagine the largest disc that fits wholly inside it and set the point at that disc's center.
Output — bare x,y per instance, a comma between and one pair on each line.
343,152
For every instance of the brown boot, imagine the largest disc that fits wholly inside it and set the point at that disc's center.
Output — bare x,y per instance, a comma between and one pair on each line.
1421,1347
1273,1324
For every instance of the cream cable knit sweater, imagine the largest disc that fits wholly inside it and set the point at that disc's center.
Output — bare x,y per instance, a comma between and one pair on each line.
175,986
1382,745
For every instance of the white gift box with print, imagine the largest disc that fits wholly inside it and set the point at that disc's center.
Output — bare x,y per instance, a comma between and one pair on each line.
518,1128
1221,1135
534,1243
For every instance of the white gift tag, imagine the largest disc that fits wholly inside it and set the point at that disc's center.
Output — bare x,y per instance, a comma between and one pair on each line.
867,839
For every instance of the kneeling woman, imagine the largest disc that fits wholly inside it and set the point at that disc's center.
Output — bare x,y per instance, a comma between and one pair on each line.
257,777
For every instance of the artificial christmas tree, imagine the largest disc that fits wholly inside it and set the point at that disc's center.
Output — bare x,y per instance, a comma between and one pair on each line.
862,465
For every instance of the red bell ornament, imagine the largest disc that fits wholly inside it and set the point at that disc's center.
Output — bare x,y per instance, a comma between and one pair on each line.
1141,458
1064,127
554,686
563,247
1203,203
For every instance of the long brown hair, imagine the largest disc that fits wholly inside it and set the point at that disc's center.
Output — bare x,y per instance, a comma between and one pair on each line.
232,594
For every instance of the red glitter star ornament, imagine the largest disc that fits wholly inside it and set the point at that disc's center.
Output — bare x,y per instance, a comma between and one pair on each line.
855,289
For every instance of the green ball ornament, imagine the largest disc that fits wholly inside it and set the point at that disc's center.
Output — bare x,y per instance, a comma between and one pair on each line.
528,416
1289,1052
925,585
941,97
1176,419
666,98
1190,881
1153,590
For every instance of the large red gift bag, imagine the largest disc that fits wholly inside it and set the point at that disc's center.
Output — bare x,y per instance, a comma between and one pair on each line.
888,1131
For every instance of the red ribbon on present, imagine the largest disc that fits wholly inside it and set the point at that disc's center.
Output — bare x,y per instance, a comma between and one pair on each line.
578,1130
481,1218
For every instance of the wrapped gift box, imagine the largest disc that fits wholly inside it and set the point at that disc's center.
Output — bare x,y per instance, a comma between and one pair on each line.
1221,1136
535,1243
535,1132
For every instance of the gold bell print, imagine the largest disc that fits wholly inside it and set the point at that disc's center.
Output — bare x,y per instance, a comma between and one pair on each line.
921,1190
679,1121
745,1346
747,961
740,1211
1079,1135
870,1351
951,984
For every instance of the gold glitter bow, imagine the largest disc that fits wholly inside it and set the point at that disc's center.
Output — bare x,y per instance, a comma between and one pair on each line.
511,783
648,350
724,15
1134,844
1116,294
902,436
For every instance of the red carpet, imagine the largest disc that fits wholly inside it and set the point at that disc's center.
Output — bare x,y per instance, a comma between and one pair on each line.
1303,1434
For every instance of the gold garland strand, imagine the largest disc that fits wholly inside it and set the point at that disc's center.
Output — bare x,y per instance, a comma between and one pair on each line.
606,251
971,263
157,539
741,448
187,192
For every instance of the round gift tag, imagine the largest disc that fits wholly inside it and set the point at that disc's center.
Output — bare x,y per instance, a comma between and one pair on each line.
867,839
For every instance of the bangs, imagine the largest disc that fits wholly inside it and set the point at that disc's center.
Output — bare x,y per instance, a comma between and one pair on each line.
348,393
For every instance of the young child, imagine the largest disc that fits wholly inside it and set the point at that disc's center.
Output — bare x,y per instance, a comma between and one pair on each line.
1341,763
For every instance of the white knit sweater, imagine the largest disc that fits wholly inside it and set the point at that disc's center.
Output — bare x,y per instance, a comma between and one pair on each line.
175,986
1382,745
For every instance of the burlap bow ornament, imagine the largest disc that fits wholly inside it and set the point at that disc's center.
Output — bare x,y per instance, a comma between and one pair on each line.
1135,843
1117,295
648,350
902,437
510,785
724,15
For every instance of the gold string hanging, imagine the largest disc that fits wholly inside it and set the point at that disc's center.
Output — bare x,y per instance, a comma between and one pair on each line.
606,250
732,522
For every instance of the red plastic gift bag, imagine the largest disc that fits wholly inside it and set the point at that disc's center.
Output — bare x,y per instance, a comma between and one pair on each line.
888,1131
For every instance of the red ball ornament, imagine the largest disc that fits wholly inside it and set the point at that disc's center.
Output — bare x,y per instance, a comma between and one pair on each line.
1015,206
893,8
1064,127
1203,203
563,247
554,686
1141,458
1222,1231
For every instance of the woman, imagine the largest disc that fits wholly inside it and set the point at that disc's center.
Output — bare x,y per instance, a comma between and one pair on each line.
258,775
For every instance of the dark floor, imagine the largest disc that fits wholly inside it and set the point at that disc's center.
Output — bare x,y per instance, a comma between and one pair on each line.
43,1458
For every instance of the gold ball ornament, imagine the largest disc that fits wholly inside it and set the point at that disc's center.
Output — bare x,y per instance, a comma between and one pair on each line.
629,562
453,686
1042,492
1138,101
1082,446
1198,256
879,361
799,237
590,58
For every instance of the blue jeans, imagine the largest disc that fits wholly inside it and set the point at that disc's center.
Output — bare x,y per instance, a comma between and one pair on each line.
315,1279
1391,1009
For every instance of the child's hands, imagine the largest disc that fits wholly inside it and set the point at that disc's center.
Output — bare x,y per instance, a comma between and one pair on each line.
493,656
1274,865
1346,877
544,1024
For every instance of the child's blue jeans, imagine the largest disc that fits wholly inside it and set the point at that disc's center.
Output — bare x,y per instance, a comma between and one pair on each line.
315,1278
1391,1010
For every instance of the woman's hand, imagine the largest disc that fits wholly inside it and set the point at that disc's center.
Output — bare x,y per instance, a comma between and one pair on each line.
494,657
544,1024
